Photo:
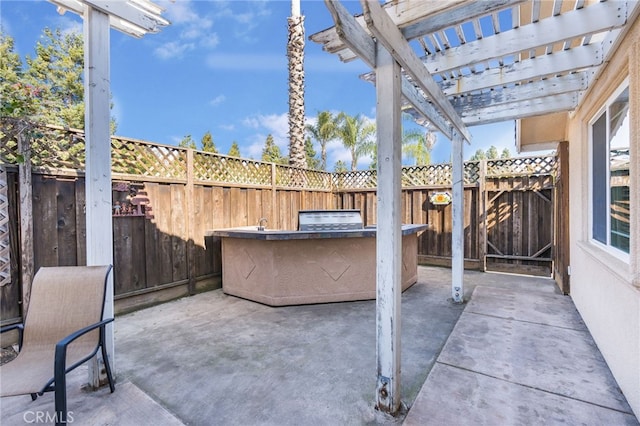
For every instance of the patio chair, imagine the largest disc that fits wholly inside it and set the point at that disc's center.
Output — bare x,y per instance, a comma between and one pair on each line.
62,330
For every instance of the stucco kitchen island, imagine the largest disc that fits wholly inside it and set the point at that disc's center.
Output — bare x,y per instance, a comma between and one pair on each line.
280,268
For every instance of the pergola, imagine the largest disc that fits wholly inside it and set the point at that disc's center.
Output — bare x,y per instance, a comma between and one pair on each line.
460,63
135,18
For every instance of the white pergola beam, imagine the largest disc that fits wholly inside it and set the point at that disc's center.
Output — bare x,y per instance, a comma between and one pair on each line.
548,87
427,110
351,33
455,15
533,69
577,23
523,109
133,17
391,38
99,226
389,231
457,218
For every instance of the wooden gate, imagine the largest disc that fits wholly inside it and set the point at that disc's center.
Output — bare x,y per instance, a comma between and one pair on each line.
519,221
10,290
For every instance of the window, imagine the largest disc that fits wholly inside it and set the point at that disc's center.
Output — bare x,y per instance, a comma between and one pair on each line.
611,212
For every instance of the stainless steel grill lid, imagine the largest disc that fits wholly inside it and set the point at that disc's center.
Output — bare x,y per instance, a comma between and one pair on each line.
329,220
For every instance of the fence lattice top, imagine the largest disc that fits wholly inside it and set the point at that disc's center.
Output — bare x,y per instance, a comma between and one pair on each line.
58,148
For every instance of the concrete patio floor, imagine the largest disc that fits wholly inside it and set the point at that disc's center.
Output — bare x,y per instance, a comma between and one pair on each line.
516,353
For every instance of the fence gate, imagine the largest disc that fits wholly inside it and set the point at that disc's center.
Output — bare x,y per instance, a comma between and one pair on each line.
9,276
519,220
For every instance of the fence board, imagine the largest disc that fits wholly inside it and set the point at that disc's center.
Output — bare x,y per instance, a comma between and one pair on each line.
238,200
163,221
123,255
268,208
179,235
66,222
45,252
81,224
152,237
203,222
254,207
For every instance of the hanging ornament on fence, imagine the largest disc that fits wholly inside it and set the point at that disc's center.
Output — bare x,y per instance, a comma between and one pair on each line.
440,198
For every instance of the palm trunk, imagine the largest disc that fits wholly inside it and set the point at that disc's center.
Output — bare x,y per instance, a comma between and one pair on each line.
295,52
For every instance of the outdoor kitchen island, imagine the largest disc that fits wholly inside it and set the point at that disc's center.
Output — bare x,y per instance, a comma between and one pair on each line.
331,258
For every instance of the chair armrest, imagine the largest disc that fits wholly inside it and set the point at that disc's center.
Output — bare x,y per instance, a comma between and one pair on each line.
19,327
76,334
61,347
11,327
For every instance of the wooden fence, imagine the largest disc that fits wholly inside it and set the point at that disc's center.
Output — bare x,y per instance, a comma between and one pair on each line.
166,198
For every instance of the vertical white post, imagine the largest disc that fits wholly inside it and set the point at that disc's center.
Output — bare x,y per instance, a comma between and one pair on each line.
457,235
98,160
389,234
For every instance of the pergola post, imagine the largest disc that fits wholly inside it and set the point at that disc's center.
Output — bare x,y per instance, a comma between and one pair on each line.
98,161
389,231
457,235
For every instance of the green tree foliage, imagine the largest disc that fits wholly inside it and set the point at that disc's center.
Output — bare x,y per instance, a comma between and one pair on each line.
313,162
417,144
17,99
356,134
188,142
324,130
56,71
207,143
49,88
234,151
340,167
479,155
492,153
271,152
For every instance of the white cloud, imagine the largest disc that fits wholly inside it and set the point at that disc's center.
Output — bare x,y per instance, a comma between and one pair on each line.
217,100
276,125
251,122
70,26
173,49
192,28
210,41
331,63
179,12
248,18
247,62
254,150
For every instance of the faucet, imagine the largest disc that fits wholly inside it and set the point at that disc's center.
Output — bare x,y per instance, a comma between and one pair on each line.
260,225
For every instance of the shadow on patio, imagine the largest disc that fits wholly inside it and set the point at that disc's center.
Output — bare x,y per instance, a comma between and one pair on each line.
519,354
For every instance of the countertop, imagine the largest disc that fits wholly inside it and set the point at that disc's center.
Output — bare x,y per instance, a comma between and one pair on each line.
251,232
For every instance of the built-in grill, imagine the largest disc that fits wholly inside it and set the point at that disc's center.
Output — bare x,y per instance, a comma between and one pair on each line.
329,220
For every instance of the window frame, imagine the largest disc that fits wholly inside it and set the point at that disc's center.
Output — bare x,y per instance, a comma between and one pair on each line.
604,112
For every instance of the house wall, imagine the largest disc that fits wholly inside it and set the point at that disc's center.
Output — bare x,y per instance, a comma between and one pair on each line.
605,289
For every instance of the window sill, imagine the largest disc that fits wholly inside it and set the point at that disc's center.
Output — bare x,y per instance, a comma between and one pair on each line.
608,261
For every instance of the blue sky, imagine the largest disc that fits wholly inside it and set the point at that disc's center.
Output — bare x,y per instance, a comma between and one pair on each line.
221,66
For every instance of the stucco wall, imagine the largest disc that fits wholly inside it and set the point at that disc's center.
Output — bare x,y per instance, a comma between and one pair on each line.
604,288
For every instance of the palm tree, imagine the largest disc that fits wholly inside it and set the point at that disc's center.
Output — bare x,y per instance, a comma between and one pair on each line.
356,134
295,52
417,144
325,129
